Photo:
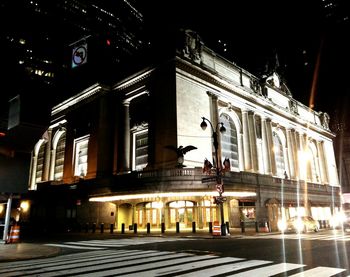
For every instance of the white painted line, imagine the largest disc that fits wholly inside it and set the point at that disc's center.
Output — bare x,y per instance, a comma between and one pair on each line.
224,269
267,271
72,246
319,272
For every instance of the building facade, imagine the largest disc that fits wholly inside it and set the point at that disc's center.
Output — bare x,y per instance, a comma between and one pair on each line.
106,158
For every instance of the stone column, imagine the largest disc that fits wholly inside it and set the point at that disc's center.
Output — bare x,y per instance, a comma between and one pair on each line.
33,167
303,163
246,146
52,163
46,165
295,153
270,144
126,154
241,151
291,156
252,141
323,162
265,148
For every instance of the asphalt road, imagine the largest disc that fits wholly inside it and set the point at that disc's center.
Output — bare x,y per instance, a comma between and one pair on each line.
317,254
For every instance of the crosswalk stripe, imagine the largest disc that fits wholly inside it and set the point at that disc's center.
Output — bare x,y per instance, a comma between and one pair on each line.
75,246
17,264
141,268
225,268
102,263
319,272
97,244
123,255
176,269
337,237
267,271
78,265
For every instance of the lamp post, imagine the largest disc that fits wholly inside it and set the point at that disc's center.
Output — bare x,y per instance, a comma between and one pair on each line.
219,185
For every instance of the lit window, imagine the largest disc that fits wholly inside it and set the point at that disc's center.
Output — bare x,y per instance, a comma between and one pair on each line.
229,142
313,168
40,163
140,141
59,162
279,157
81,156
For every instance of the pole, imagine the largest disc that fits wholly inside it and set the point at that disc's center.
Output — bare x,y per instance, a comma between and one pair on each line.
219,185
218,182
7,218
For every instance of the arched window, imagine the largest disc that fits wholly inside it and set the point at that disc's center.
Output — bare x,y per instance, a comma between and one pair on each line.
59,159
313,168
229,142
40,163
279,157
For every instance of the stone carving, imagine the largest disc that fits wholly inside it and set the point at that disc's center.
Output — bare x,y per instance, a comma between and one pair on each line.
193,46
255,86
324,117
293,106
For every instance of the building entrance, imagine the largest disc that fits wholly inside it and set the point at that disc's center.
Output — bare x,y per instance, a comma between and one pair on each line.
182,212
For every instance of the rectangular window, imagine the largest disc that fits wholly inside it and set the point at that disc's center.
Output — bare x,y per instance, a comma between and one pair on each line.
81,156
140,140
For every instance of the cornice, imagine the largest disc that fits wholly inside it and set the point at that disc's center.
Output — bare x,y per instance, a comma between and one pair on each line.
205,73
132,80
78,98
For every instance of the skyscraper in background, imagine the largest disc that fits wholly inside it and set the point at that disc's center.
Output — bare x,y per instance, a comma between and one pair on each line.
50,50
38,40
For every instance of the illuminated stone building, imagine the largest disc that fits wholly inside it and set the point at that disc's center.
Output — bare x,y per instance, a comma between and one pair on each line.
106,159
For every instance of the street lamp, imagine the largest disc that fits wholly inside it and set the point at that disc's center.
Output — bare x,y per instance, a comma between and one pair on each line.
219,185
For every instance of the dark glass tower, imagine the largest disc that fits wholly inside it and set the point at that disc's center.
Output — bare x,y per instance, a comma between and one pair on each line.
37,39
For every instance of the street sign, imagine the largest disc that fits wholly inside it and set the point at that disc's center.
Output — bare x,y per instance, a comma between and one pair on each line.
209,179
79,55
220,188
219,199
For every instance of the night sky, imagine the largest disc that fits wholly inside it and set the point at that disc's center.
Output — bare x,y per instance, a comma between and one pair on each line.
254,31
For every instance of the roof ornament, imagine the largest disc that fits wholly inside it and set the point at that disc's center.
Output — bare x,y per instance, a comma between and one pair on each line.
193,46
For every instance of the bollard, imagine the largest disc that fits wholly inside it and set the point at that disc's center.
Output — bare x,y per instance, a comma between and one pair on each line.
163,227
148,228
256,227
111,228
177,227
102,227
242,227
193,227
210,227
228,227
123,228
135,228
86,227
93,227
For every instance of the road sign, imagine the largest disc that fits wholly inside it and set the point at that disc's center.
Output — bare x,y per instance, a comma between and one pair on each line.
79,55
209,179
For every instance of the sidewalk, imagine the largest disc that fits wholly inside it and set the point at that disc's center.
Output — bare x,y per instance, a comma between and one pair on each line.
30,250
24,251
